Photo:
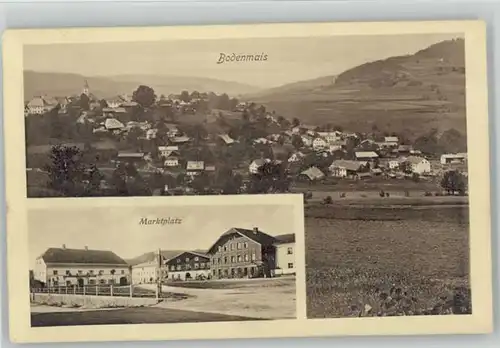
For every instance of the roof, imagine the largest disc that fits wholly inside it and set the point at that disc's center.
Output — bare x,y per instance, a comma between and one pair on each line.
414,159
260,161
285,238
168,148
41,102
195,253
257,236
391,139
226,138
195,165
349,165
313,173
181,139
405,148
454,155
365,154
113,123
81,256
131,154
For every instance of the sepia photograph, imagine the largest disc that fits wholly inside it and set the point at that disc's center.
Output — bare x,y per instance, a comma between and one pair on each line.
161,264
370,129
380,130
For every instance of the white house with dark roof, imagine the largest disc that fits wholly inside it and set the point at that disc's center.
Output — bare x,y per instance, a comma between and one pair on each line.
253,168
40,105
194,167
150,270
319,143
366,155
418,164
68,267
285,254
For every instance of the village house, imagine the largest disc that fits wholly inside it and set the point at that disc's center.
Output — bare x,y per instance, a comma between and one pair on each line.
189,265
393,164
149,271
452,158
115,102
130,156
165,151
366,155
194,168
69,267
180,139
285,254
346,168
40,105
296,130
391,141
242,253
319,144
419,165
331,137
226,139
337,145
262,141
296,157
307,140
253,168
312,174
112,124
171,161
173,131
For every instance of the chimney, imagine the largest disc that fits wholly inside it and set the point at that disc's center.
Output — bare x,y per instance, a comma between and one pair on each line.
86,247
255,230
64,246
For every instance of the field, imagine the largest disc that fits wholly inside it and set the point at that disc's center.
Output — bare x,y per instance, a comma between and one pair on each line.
146,315
377,261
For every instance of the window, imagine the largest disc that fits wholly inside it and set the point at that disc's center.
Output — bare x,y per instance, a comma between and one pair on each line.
196,258
92,281
187,259
123,271
80,272
232,259
213,261
245,245
91,272
196,266
172,268
225,248
253,256
246,257
231,246
213,272
225,259
218,260
54,272
239,258
101,272
102,281
220,248
68,272
239,246
290,265
178,267
289,251
202,264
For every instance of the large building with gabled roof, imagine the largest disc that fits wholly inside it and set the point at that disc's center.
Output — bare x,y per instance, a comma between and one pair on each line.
241,253
69,267
189,265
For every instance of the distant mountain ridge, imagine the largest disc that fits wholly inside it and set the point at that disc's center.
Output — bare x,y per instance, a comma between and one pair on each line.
404,93
66,84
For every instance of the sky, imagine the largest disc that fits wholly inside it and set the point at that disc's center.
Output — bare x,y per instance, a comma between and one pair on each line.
118,229
289,59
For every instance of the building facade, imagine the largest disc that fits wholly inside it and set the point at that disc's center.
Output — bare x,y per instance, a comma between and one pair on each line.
70,267
189,265
242,253
149,271
285,254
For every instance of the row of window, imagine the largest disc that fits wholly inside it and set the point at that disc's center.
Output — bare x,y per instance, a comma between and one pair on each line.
188,266
237,258
233,246
187,259
80,272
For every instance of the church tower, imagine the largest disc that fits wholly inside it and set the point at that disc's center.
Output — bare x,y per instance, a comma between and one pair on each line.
86,90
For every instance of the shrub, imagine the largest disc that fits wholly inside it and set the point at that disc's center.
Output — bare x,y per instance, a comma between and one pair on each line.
437,194
328,200
387,194
382,193
427,194
342,195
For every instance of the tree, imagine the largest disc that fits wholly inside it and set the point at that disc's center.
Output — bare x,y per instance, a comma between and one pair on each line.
453,141
94,177
405,167
271,177
454,181
144,96
84,102
103,103
66,170
185,97
295,122
297,141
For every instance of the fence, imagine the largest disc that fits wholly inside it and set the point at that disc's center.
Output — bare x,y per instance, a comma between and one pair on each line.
100,290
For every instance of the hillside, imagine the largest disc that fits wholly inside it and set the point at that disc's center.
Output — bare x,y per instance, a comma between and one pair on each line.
410,94
65,84
168,254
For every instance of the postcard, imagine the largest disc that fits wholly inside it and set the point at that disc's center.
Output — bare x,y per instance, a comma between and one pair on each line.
266,180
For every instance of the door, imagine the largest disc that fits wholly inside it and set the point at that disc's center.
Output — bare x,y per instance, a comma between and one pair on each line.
80,282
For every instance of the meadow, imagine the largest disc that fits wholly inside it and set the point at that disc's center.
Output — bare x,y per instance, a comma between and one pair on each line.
382,261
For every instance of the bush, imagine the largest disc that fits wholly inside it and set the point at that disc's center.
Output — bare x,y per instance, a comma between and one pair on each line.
438,194
382,193
328,200
387,194
342,195
428,194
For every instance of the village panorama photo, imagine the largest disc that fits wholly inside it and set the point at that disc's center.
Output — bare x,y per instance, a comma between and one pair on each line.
194,264
370,129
